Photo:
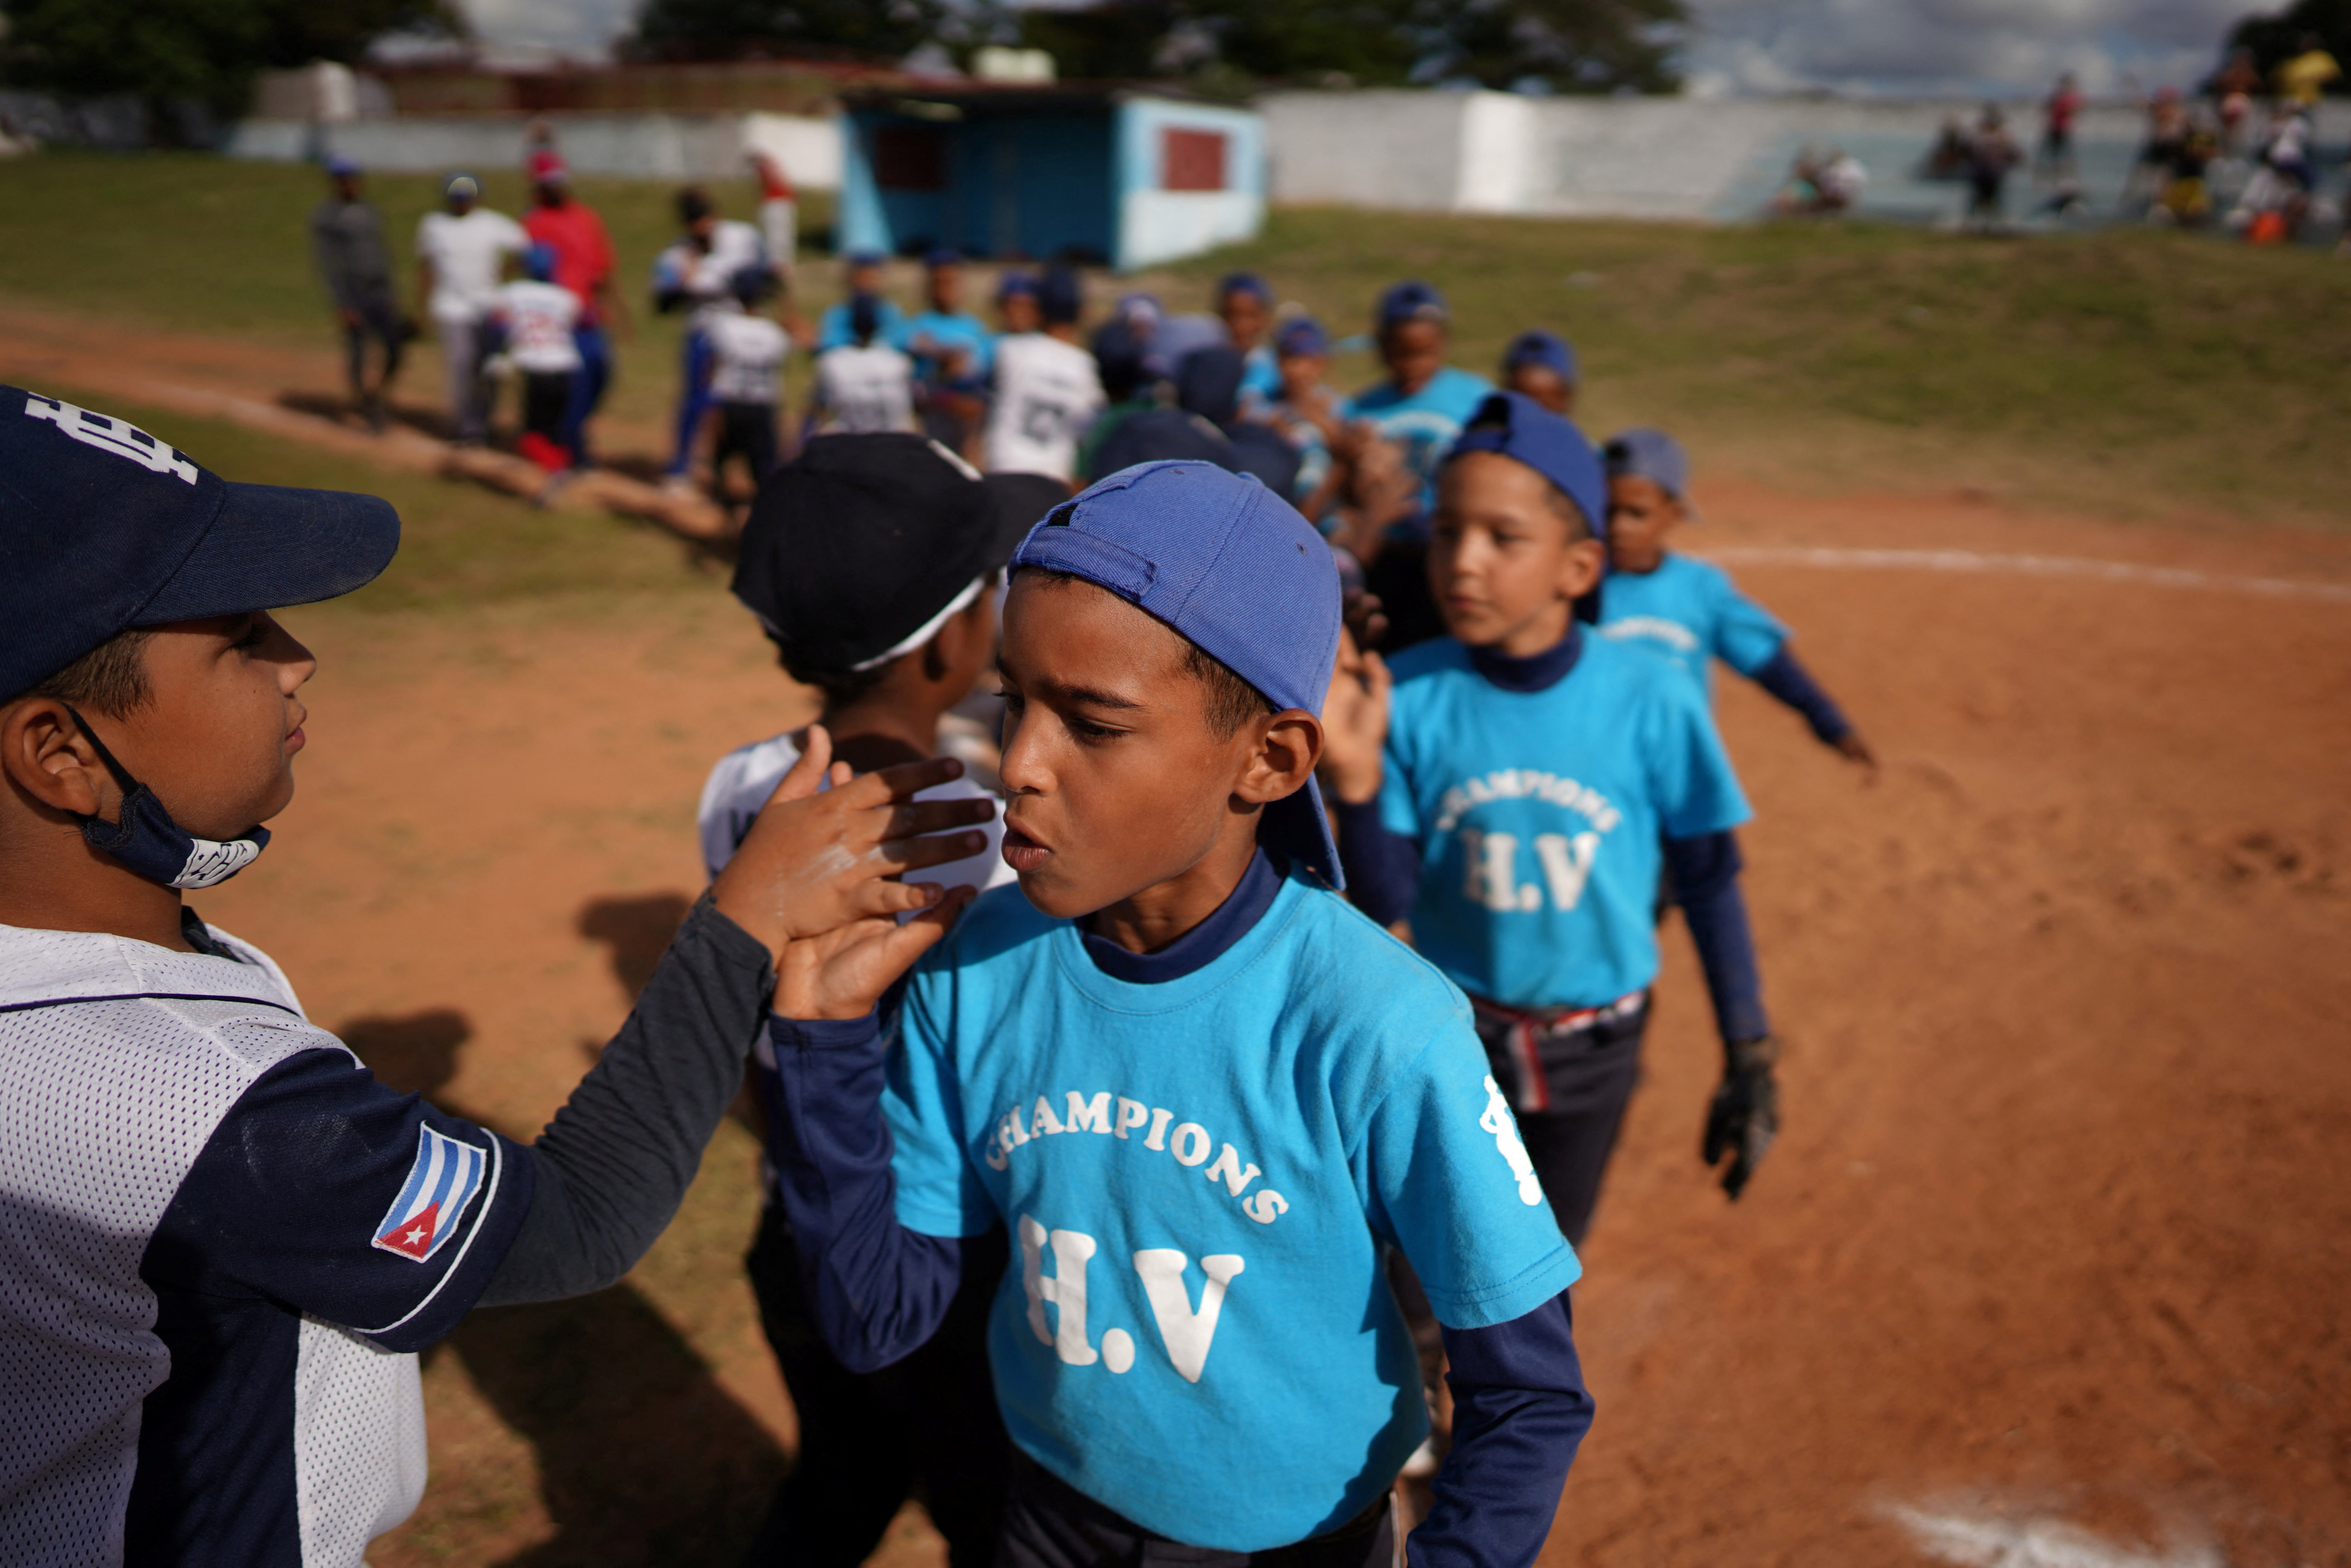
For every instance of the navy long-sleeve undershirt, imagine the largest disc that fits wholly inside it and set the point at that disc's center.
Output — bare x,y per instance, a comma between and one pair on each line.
1792,684
881,1290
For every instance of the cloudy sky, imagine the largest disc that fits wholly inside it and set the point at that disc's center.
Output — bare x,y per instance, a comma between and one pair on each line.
1767,45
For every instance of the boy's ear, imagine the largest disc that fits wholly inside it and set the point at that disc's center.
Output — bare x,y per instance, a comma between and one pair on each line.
45,754
1579,571
1289,744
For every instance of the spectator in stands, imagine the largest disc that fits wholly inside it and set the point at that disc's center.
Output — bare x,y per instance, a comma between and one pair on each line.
584,264
1992,153
347,243
2053,164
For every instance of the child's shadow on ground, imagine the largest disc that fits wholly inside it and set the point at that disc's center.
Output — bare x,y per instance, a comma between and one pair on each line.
642,1457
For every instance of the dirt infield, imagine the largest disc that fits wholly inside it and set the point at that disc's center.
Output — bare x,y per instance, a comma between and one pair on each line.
2055,1239
2049,1270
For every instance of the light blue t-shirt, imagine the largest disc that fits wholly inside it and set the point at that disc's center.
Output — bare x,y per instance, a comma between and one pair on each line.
1199,1176
1425,423
832,328
1261,373
948,331
1539,815
1691,611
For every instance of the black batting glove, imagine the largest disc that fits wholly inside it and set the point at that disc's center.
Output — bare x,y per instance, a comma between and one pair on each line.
1745,1114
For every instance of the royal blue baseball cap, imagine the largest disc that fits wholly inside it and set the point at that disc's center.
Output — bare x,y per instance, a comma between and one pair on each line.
1537,347
861,258
1412,301
341,168
104,528
1516,425
943,256
1234,569
1645,454
1013,285
1302,335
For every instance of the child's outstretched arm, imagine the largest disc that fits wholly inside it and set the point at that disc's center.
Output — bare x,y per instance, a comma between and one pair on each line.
1787,680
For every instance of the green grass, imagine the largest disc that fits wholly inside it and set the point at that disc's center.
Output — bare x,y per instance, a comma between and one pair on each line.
462,548
2127,372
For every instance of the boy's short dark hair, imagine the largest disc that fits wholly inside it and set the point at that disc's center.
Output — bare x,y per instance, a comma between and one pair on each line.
1231,702
110,677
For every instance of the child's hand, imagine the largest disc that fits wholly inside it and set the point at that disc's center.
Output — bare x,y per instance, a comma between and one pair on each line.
842,973
813,863
1356,723
1854,749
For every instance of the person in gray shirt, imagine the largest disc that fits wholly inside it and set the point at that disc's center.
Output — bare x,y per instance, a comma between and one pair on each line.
347,243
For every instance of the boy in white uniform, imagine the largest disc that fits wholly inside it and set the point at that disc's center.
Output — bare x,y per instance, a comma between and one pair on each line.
461,256
1047,388
223,1242
535,318
746,362
864,387
693,274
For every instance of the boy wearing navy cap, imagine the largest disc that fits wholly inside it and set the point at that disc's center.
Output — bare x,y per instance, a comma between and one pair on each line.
1424,402
1157,1062
221,1241
873,562
1542,365
1509,788
1245,305
1689,610
1045,389
834,327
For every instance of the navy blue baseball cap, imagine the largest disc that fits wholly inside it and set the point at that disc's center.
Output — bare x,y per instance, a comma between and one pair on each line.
1411,301
943,256
1516,425
104,528
1537,347
1015,284
1061,297
1302,335
857,258
1235,570
1248,283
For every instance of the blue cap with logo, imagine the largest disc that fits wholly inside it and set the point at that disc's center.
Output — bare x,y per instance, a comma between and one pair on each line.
1537,347
104,528
1234,569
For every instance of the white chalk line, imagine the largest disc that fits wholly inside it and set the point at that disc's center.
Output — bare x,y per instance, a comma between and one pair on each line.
1982,563
1974,1538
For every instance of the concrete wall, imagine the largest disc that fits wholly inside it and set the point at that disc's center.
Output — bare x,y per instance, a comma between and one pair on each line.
1647,157
649,146
1157,225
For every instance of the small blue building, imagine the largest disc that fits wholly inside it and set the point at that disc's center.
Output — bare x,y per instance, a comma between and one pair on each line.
1124,177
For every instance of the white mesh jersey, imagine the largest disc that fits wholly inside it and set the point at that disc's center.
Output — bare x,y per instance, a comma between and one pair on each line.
137,1357
1047,392
862,392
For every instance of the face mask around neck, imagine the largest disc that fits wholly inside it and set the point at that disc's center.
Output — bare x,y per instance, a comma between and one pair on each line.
144,838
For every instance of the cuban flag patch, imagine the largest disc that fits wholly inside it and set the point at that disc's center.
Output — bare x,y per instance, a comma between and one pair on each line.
440,1183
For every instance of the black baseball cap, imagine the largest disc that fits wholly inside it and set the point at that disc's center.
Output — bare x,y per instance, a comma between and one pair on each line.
104,528
856,550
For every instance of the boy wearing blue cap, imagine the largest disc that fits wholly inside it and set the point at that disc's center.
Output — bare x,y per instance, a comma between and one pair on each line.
535,321
1159,1065
1424,402
1542,365
1509,790
1245,305
864,279
1689,610
221,1241
950,347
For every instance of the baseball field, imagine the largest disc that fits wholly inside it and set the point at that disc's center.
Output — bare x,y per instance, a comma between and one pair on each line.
2050,1266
